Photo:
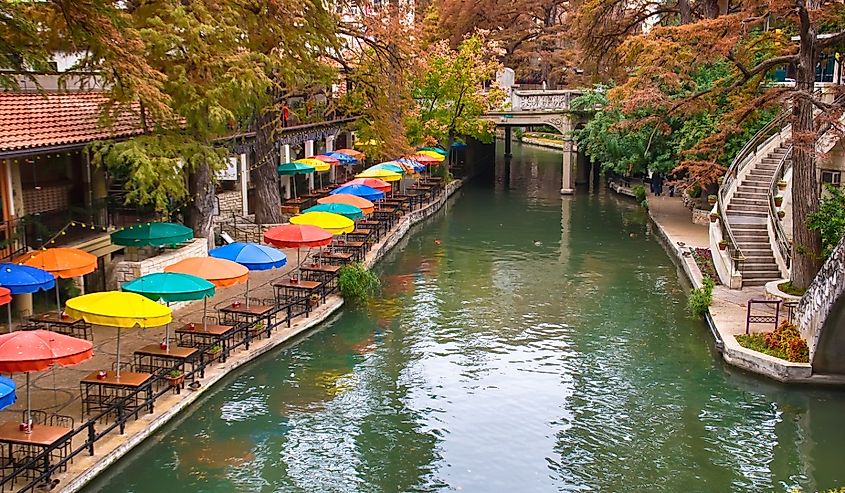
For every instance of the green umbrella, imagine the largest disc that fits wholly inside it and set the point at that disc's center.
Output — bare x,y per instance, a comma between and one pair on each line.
171,287
289,169
345,210
438,150
152,234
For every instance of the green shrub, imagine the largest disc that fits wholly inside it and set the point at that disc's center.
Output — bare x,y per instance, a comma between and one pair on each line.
357,283
829,220
700,298
639,193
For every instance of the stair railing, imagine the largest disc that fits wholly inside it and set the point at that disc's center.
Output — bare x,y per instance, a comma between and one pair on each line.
781,241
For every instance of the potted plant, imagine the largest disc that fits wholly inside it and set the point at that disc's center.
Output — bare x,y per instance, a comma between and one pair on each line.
257,329
778,200
213,352
781,214
714,216
720,180
723,244
711,199
175,378
314,300
781,184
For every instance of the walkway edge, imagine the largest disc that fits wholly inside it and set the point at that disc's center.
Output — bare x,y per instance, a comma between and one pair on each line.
724,340
215,375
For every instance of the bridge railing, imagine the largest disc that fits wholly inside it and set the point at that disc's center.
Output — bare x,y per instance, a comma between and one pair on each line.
821,297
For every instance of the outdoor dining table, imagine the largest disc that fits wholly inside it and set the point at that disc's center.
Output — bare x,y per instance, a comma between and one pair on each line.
357,248
101,393
298,292
322,273
252,314
373,226
197,334
336,258
360,234
153,358
385,214
55,321
40,437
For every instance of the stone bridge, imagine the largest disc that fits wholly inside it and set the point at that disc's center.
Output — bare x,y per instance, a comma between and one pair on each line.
821,315
553,108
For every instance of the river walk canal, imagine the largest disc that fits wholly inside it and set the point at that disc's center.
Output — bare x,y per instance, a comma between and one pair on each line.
523,343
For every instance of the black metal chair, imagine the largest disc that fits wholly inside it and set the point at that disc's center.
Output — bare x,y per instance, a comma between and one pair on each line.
64,450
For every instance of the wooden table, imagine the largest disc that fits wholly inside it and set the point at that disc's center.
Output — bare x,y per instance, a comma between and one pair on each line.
356,248
323,273
372,226
336,258
252,315
196,334
41,437
385,214
359,234
298,292
99,394
152,358
72,326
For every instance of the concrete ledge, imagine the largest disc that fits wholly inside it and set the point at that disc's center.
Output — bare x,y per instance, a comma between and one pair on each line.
773,292
147,425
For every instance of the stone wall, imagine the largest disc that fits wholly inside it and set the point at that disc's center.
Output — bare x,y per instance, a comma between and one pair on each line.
820,300
125,270
230,202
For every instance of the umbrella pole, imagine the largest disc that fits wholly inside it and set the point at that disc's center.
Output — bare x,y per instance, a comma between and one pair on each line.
58,298
167,333
293,180
204,306
247,292
28,407
9,313
117,368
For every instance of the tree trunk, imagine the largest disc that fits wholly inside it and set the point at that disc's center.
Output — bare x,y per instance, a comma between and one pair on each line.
805,188
201,209
268,202
685,11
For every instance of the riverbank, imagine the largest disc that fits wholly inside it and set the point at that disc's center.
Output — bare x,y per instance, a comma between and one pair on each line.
727,314
114,446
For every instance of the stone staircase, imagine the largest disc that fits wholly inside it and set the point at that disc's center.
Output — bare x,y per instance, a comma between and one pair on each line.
748,212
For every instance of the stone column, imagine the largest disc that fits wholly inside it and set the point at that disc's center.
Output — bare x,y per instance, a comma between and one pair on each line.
285,153
570,161
508,137
330,148
244,182
309,152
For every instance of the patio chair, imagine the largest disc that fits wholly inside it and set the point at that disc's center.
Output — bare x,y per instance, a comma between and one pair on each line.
64,450
38,417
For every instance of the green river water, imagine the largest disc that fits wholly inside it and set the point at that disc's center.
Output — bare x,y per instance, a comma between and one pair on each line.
524,343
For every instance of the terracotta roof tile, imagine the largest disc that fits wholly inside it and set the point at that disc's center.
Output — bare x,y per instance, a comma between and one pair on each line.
35,120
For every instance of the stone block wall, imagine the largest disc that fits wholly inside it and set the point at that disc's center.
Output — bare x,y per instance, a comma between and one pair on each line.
125,270
230,202
821,297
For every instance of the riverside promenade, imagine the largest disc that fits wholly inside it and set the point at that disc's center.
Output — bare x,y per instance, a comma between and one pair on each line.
58,390
728,310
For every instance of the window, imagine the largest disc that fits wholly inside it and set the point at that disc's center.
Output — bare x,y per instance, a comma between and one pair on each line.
832,177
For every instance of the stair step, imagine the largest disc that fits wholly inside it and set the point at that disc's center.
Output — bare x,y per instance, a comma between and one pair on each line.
750,195
752,183
734,212
756,252
748,207
757,282
757,262
743,201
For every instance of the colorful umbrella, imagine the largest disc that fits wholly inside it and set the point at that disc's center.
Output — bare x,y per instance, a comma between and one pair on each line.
220,272
171,287
6,299
22,279
328,159
7,392
152,234
362,191
297,236
391,166
333,223
120,310
344,198
425,159
343,158
437,150
416,165
381,174
345,210
435,155
252,256
63,263
290,169
352,152
318,165
380,185
26,351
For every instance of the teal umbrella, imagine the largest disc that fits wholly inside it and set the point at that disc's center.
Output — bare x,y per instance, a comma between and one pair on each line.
172,287
152,234
345,210
438,150
290,169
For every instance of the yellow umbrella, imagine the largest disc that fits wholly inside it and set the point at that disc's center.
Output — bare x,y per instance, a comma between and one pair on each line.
381,174
333,223
319,166
433,155
118,309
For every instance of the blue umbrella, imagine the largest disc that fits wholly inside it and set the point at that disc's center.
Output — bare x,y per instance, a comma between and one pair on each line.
418,166
343,158
252,256
7,392
22,279
362,191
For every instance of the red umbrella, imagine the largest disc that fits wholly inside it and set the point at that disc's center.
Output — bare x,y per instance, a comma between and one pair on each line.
380,185
327,159
427,160
36,350
5,299
297,236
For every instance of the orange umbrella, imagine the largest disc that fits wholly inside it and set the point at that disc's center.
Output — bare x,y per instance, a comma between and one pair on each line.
63,263
344,198
218,271
352,152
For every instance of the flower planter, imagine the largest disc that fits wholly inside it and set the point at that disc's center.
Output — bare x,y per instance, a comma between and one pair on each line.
711,199
781,214
212,356
723,245
778,200
782,185
713,218
175,381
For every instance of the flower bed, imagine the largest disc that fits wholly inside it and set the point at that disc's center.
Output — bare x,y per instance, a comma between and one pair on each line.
785,342
704,259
